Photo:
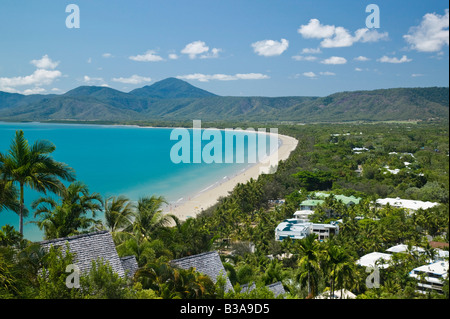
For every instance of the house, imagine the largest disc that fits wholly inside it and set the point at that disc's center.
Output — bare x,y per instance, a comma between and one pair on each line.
439,254
297,229
430,277
277,288
208,264
404,249
303,215
92,247
409,204
308,206
380,260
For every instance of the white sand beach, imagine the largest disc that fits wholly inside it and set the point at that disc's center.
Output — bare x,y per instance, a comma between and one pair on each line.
210,196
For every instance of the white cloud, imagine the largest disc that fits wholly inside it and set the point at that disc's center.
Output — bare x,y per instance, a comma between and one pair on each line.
43,75
310,74
211,55
304,58
35,90
311,51
223,77
327,73
173,56
358,69
361,58
200,49
334,60
341,38
336,37
314,29
366,35
386,59
415,75
270,47
38,77
149,56
134,79
45,63
195,48
107,55
94,81
432,33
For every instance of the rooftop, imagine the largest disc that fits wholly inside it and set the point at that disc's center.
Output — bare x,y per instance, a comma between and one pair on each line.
375,258
92,246
406,203
206,263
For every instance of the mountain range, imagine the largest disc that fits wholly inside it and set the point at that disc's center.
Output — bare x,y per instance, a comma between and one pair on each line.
176,100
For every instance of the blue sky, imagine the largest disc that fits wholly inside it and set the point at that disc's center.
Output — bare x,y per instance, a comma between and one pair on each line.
228,47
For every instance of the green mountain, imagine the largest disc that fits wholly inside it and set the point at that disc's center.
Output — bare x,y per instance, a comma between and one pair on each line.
171,88
174,100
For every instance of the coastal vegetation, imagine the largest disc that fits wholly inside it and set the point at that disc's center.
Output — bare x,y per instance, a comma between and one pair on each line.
350,159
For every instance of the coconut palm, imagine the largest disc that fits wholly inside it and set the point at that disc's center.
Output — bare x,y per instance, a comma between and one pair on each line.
69,216
8,196
148,216
341,268
33,167
117,213
310,255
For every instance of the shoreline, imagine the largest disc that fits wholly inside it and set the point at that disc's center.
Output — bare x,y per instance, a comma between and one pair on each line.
209,196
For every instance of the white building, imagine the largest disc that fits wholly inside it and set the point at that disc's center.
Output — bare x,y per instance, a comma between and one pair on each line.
380,260
430,277
303,215
410,204
297,229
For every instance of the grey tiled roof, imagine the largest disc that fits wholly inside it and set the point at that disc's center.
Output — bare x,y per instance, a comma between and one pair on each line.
277,288
130,265
206,263
88,248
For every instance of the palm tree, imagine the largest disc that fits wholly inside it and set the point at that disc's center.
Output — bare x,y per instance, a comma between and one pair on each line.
69,216
32,166
341,268
117,213
148,216
8,196
310,252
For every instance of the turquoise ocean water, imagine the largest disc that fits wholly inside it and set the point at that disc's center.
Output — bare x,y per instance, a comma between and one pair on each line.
118,160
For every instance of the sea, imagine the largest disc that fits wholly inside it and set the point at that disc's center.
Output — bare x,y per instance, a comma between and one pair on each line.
133,161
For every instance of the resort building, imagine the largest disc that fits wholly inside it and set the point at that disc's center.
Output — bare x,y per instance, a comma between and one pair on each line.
380,260
92,247
430,277
409,204
296,229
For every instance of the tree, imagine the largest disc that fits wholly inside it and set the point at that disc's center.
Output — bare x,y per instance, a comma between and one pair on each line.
69,216
32,166
310,255
8,195
117,213
148,216
341,268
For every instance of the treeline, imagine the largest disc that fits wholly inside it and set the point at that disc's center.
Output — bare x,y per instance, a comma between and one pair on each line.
242,225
